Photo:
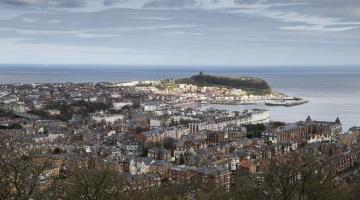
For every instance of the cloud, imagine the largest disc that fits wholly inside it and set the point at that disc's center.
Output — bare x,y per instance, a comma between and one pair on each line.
356,11
73,54
46,3
25,2
318,28
93,33
313,22
184,33
192,31
281,10
152,18
75,33
309,22
141,4
29,20
54,21
170,4
286,12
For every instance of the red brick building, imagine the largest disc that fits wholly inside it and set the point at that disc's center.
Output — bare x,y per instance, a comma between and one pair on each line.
215,138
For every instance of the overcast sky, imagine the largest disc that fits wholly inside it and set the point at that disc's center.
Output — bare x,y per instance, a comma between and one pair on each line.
181,32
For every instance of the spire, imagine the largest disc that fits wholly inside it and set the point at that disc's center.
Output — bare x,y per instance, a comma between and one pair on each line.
337,121
308,119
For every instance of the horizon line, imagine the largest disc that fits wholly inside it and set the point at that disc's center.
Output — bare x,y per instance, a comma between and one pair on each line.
170,65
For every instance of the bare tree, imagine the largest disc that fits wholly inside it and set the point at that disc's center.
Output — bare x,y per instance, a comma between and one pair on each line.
21,177
92,184
302,177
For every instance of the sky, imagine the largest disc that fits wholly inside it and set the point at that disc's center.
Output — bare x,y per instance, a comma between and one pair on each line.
181,32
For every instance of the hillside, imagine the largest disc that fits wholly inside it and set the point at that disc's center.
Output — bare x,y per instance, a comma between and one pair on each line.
249,84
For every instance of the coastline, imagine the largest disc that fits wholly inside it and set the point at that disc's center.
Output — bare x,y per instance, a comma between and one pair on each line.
311,83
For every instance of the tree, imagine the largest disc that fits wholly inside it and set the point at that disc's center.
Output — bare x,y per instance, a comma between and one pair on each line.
169,143
254,130
301,176
246,188
57,150
21,176
92,184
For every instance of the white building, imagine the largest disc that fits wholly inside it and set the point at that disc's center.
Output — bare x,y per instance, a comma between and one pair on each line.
107,118
320,138
119,105
150,107
128,84
255,116
259,116
47,137
140,165
155,122
14,107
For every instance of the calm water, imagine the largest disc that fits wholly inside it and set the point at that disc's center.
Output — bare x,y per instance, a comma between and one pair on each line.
333,92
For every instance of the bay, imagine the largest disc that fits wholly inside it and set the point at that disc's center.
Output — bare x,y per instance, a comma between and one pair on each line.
332,91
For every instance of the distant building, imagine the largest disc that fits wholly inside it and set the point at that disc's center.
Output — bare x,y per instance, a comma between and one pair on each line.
215,138
14,107
255,116
234,132
140,165
155,122
150,107
159,154
219,176
108,118
307,131
144,181
355,130
130,146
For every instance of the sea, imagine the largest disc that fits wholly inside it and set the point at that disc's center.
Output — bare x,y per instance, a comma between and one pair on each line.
332,91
